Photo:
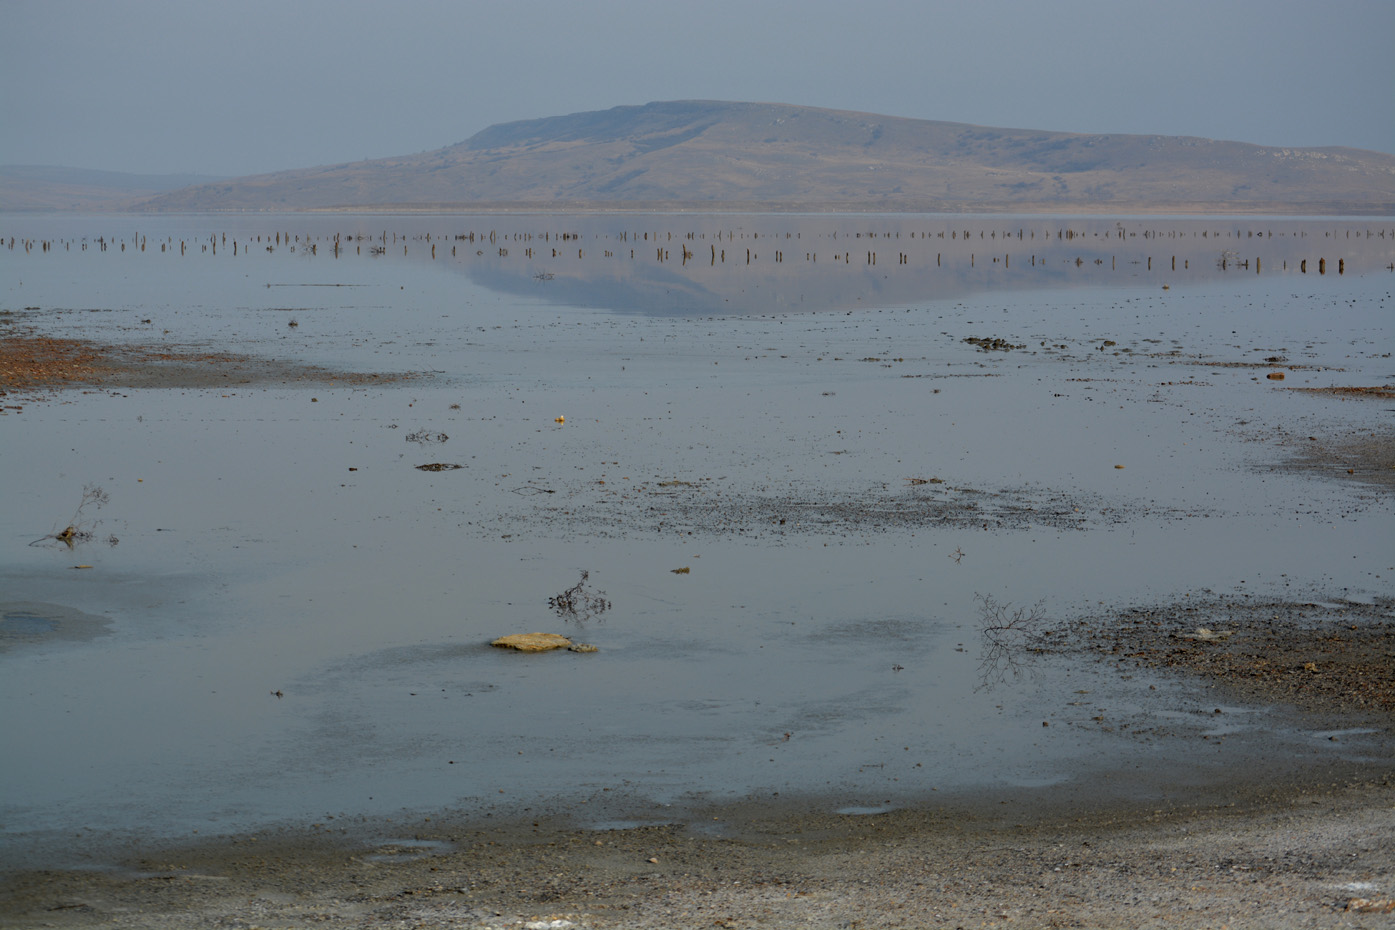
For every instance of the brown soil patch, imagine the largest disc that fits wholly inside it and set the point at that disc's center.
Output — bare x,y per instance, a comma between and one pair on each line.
30,361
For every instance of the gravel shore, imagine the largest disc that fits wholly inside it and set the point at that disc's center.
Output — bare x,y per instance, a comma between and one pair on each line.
1317,854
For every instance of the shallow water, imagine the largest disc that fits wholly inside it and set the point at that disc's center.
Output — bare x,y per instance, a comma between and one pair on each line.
299,618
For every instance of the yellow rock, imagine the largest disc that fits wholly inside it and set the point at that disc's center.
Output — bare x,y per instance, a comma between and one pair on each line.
532,642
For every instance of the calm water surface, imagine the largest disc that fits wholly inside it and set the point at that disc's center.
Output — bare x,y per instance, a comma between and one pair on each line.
295,622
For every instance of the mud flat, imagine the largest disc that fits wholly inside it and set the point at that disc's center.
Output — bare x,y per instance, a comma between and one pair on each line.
257,688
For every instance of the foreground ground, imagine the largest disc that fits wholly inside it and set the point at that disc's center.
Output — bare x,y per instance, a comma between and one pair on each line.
1302,856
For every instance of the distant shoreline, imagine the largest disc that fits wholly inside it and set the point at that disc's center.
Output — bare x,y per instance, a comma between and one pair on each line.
1303,210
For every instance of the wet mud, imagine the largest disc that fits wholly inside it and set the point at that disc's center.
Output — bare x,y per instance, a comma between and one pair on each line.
275,702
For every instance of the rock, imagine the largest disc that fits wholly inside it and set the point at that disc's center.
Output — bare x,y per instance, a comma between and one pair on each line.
1275,376
581,647
532,642
1369,906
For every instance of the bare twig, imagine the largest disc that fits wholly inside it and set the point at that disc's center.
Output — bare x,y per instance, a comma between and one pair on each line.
1009,638
578,602
80,527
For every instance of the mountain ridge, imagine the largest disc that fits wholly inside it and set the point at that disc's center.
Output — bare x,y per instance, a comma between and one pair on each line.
717,155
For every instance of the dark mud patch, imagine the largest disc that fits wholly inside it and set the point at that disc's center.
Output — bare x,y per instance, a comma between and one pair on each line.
1384,391
32,362
1333,658
1220,363
1362,455
29,623
708,507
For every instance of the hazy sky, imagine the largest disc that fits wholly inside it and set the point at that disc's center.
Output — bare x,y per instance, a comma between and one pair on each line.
243,86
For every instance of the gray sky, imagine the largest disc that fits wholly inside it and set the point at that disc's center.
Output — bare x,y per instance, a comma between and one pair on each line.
244,86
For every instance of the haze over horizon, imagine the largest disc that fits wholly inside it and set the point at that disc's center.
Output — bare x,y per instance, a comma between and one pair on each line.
170,87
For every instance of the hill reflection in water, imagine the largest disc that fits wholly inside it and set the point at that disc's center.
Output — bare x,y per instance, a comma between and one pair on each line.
760,264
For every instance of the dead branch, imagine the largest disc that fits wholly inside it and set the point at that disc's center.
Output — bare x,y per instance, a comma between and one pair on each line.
1009,635
80,528
578,602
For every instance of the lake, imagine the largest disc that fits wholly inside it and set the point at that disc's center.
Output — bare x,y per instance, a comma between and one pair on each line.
767,442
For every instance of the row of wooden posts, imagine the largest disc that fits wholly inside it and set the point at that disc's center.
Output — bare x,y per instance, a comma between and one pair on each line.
378,244
717,256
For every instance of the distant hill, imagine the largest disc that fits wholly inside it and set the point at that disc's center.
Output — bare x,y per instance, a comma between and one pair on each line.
748,156
42,188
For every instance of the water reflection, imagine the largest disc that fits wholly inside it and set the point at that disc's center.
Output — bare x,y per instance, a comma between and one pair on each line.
721,264
772,264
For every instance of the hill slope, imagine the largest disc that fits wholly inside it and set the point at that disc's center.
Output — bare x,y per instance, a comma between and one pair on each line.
705,154
26,188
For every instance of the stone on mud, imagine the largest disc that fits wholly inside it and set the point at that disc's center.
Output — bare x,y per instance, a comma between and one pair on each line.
532,642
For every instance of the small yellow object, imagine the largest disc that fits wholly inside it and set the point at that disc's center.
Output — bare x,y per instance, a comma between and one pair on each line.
560,420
